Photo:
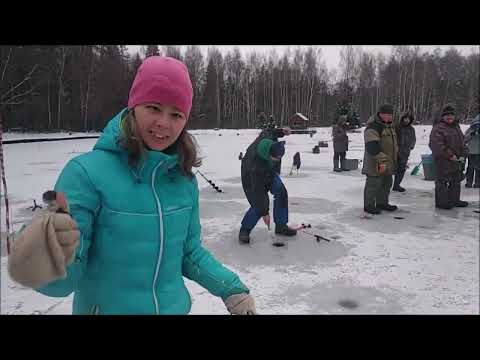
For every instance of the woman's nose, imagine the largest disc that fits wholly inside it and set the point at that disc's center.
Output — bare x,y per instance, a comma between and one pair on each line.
161,119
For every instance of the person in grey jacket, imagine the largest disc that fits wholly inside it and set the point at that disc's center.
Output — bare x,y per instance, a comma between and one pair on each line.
340,143
406,142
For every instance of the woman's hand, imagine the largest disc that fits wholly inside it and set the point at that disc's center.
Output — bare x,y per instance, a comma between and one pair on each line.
241,304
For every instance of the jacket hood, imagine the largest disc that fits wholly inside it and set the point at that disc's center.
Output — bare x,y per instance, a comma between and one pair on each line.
109,141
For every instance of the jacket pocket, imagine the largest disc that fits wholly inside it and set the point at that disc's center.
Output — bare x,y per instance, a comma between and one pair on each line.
176,224
123,226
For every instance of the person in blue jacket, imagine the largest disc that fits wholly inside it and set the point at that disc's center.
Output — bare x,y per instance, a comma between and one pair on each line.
259,177
133,202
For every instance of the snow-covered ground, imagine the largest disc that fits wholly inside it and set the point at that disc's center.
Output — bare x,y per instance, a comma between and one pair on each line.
425,263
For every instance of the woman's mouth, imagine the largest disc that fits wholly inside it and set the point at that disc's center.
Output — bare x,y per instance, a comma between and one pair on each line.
158,137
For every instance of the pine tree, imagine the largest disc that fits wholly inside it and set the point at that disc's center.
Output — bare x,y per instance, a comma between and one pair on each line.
345,108
209,104
152,50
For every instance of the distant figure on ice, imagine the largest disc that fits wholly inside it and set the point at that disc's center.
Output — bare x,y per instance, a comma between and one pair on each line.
449,152
472,140
296,162
379,161
259,178
340,143
135,249
406,143
240,156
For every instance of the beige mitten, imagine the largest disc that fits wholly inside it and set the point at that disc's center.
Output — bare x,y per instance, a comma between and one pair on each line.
241,304
43,250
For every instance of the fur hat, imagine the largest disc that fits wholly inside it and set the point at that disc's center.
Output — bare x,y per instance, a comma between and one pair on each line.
448,109
385,109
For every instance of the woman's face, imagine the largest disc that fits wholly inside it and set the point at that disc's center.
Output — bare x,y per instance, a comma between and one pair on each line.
159,125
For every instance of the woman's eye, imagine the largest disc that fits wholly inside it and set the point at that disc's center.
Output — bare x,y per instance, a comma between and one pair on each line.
153,108
177,115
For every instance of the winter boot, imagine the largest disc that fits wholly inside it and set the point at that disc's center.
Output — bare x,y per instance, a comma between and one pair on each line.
468,185
372,210
244,236
283,229
387,207
398,188
461,203
343,165
336,168
447,206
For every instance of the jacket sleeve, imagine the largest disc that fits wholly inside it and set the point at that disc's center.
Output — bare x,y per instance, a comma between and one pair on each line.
414,139
438,145
373,147
83,201
200,266
372,144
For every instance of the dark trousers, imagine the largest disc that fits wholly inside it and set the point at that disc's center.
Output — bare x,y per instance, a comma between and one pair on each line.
336,157
377,190
473,169
447,189
280,206
401,169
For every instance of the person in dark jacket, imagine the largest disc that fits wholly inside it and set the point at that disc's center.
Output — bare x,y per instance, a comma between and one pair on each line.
448,151
406,142
340,143
472,140
379,161
259,178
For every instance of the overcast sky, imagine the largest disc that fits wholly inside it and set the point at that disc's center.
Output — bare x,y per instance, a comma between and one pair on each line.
330,53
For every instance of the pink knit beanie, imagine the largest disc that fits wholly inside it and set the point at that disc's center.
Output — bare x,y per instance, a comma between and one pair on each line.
162,80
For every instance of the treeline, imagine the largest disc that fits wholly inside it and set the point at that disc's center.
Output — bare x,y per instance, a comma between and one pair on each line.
80,88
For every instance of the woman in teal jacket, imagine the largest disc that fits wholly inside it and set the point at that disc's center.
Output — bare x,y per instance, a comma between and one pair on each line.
134,199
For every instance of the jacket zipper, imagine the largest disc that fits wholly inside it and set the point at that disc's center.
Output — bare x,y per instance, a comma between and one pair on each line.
160,250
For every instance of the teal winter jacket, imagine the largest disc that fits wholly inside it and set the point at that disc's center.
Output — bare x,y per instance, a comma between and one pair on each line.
139,234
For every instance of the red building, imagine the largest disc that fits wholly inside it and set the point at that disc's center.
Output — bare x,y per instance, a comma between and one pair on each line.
298,121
